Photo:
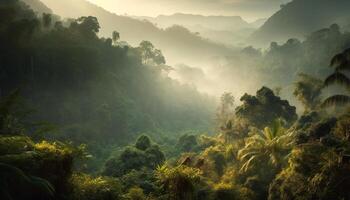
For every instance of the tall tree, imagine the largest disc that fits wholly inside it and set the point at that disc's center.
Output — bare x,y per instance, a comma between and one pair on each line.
308,91
341,65
115,36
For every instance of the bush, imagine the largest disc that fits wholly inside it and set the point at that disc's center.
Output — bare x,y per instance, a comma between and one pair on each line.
133,158
261,110
187,143
143,143
86,187
135,193
180,182
144,179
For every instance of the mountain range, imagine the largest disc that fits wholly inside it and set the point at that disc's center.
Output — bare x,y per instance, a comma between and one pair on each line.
230,30
299,18
177,43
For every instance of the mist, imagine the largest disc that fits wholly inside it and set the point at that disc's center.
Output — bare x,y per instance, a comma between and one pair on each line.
174,100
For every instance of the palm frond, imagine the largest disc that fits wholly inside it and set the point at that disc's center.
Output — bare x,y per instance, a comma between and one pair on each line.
268,133
343,66
336,100
244,156
337,78
247,164
338,59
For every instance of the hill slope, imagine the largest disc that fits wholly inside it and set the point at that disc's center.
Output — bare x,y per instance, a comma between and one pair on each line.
177,43
230,30
227,23
301,17
38,6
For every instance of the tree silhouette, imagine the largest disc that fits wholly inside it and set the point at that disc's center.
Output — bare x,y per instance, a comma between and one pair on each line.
308,91
341,64
115,36
150,55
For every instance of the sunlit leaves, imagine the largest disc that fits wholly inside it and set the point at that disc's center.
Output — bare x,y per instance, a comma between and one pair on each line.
271,145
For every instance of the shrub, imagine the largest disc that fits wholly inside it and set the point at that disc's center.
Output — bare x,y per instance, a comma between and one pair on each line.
143,142
135,193
180,181
86,187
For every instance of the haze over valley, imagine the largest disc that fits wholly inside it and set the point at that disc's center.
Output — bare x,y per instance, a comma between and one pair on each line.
174,100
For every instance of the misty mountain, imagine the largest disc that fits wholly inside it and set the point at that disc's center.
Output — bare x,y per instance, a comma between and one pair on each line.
177,43
231,30
222,23
300,17
258,23
38,6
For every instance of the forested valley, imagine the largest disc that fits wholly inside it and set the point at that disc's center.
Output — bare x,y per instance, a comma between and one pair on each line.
85,116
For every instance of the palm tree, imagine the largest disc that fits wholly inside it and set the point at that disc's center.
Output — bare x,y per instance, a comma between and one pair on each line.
272,145
225,111
341,64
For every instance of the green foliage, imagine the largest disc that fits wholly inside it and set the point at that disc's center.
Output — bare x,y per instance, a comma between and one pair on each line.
144,179
187,143
104,93
261,110
308,91
150,55
135,193
133,158
143,143
315,172
99,188
15,145
47,165
341,64
179,181
11,116
93,90
225,192
216,157
271,145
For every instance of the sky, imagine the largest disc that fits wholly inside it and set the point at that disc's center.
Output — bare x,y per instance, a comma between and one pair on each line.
248,9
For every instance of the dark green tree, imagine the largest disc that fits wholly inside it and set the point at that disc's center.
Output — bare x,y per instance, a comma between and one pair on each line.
264,108
143,142
308,91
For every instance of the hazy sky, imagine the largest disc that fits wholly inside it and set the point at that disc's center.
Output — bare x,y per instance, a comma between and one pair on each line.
248,9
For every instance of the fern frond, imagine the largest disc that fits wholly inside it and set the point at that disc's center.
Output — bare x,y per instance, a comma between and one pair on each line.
338,59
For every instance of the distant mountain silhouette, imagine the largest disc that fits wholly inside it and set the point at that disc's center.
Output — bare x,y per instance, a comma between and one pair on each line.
177,43
220,23
231,30
301,17
258,23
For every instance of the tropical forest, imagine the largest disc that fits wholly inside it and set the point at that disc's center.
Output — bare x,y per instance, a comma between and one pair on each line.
174,100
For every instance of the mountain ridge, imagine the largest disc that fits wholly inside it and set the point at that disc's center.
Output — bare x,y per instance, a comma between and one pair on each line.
177,43
299,18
